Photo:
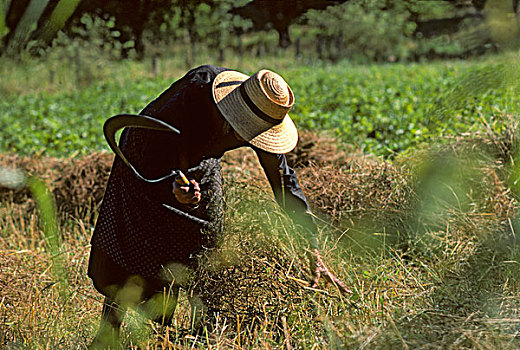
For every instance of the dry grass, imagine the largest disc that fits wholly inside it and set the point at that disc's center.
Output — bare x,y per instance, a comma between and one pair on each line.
428,244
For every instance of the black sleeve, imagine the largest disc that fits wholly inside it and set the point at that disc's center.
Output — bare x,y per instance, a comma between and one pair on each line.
147,149
287,191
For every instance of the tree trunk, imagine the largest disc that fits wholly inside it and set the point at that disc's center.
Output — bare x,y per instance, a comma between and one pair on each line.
340,45
155,65
190,26
139,45
193,49
319,45
260,49
189,58
56,20
297,44
240,46
284,38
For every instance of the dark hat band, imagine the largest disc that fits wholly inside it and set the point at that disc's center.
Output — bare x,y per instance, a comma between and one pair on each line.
257,111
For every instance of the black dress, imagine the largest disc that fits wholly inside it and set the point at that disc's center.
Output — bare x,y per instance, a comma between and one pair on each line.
136,234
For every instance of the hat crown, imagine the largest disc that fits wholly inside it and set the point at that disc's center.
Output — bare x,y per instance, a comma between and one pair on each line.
270,93
275,87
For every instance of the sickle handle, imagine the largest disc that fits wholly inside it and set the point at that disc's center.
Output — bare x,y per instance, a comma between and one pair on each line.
182,180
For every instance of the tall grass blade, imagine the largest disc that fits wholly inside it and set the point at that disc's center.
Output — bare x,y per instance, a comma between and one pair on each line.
15,179
47,208
4,7
26,26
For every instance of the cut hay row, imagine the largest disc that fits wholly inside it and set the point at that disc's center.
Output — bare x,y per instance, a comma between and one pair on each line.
428,244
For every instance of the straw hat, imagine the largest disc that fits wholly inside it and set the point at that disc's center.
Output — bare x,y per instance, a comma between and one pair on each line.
257,107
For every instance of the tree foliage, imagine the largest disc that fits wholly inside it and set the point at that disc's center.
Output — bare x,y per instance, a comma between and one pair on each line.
279,15
377,30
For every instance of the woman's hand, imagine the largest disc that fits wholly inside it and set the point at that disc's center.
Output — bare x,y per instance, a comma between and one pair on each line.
319,268
187,194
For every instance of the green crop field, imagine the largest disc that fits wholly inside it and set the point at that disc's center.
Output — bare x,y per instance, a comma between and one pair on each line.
381,109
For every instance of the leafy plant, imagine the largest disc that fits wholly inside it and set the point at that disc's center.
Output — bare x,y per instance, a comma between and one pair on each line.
381,109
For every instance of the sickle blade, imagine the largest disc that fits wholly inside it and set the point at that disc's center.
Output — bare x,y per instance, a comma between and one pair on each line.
120,121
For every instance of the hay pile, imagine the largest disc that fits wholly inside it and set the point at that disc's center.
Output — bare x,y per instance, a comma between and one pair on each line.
336,183
78,183
252,278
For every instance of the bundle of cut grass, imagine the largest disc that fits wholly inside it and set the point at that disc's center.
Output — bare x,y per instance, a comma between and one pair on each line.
78,183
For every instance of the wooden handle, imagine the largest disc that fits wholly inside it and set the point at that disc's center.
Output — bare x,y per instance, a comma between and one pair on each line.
181,179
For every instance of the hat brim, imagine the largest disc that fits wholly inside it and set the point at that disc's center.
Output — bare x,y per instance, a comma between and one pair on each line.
280,138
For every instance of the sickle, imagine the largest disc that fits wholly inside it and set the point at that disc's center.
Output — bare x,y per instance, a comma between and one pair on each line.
120,121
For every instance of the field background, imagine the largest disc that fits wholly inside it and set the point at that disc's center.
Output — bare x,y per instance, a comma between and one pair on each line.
411,167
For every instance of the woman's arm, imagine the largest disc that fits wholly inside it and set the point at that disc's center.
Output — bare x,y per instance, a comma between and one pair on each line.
288,193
